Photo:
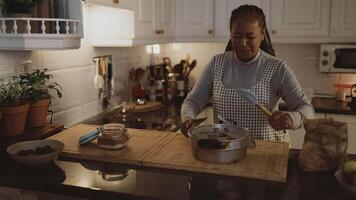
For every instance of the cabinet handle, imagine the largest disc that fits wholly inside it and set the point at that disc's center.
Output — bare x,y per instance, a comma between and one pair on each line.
274,32
158,32
162,31
210,31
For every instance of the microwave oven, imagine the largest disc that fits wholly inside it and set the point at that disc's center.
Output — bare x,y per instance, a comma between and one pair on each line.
338,58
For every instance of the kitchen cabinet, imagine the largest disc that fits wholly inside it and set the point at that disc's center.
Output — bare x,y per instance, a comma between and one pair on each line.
313,21
223,9
66,33
154,20
302,20
343,20
138,22
194,20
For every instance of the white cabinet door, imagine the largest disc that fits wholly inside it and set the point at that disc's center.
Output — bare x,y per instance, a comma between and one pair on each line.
165,18
194,19
302,18
145,16
343,18
223,9
351,126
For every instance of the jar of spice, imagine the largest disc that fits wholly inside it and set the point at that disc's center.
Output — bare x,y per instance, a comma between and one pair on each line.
341,90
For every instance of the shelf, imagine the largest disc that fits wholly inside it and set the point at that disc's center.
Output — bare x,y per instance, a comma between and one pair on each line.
39,33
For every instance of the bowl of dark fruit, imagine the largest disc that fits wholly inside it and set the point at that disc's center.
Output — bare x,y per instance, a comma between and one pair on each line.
35,152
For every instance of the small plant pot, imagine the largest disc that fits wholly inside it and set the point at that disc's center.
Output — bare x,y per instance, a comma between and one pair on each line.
14,119
37,114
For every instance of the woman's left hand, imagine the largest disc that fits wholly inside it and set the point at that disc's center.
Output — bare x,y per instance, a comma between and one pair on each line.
280,121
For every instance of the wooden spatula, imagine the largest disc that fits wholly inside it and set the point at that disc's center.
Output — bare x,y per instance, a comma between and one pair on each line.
249,96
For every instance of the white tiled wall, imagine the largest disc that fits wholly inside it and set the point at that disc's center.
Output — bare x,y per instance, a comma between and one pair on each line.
302,58
74,70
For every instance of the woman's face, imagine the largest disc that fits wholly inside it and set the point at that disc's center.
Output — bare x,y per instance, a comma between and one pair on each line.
246,37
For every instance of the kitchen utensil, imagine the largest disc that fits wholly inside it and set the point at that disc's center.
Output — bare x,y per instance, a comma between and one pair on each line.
98,80
191,67
249,96
167,61
195,122
220,143
92,135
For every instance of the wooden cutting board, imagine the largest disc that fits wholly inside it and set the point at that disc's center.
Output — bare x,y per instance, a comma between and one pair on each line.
160,149
139,144
268,161
147,107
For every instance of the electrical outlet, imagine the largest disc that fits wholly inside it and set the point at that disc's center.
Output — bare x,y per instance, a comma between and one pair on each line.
115,1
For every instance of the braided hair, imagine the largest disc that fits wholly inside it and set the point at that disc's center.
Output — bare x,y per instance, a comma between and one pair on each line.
256,12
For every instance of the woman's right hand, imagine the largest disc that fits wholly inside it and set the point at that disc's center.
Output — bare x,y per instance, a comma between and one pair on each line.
186,125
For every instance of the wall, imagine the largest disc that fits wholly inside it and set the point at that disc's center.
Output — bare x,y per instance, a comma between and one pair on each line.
302,58
75,70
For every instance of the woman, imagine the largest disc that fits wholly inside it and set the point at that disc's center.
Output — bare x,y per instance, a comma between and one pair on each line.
251,65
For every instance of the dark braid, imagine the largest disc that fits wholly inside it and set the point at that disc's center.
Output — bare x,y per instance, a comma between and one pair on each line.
252,11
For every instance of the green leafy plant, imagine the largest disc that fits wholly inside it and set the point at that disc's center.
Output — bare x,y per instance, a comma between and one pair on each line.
10,92
37,86
18,6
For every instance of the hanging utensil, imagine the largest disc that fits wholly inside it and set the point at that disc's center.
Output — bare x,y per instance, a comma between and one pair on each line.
191,67
249,96
98,80
168,62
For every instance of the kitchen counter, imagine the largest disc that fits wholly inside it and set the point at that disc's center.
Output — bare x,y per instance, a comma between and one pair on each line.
330,105
168,116
97,180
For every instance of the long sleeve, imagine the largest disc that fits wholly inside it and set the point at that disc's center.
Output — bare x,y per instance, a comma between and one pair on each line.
200,94
292,93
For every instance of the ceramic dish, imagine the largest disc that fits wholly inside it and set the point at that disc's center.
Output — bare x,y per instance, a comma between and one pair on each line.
35,152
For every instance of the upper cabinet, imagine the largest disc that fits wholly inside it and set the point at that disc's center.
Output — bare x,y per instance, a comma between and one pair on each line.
223,9
299,20
343,20
158,21
313,21
194,20
46,33
135,22
154,19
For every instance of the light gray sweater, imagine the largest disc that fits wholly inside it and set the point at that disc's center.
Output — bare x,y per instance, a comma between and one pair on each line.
238,74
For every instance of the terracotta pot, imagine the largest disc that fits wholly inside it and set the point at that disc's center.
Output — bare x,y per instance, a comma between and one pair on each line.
37,114
14,119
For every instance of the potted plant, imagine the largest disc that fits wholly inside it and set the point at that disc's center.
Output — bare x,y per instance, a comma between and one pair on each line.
13,109
17,9
37,91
